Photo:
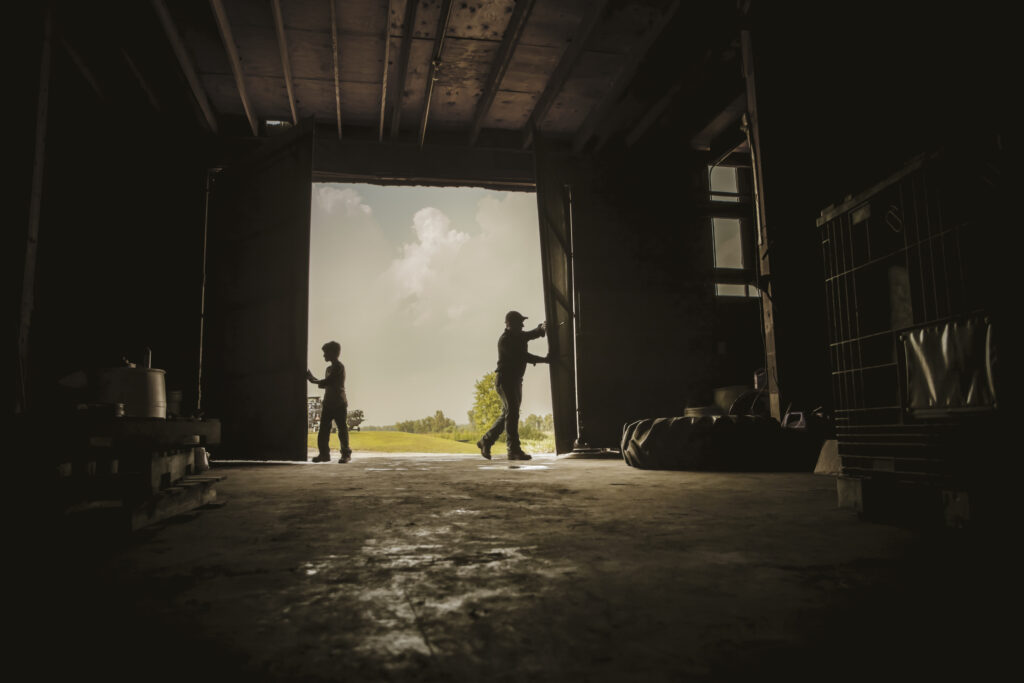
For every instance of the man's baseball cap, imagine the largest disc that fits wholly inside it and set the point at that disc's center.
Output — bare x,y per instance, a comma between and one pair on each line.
513,316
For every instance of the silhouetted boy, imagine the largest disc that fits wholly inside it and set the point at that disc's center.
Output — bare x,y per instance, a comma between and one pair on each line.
334,406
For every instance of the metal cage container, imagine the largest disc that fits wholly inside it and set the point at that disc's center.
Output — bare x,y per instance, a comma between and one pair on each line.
911,342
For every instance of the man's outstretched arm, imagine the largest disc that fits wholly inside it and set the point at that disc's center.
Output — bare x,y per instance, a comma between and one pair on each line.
537,332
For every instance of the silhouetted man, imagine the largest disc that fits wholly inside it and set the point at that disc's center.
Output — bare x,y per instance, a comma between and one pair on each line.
512,360
334,406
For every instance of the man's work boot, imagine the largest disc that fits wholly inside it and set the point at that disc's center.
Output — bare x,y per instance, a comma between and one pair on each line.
485,448
519,455
345,457
321,458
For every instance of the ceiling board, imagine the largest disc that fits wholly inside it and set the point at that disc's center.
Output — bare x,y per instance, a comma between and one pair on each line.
480,19
511,110
473,38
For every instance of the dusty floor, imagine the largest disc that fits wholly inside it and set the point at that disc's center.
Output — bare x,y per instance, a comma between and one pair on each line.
452,568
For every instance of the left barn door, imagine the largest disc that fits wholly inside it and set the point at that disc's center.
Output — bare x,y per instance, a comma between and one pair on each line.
257,300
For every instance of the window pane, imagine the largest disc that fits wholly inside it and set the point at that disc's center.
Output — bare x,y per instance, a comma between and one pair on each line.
730,290
728,246
723,179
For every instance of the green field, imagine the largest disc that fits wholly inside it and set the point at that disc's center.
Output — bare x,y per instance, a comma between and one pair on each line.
404,442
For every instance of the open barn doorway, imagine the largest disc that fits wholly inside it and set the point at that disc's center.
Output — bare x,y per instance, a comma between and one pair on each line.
414,283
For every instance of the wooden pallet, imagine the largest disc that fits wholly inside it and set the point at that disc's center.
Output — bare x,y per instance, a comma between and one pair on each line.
186,494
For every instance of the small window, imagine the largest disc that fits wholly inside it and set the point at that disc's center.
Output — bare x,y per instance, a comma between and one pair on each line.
730,290
276,126
746,291
732,254
724,183
728,242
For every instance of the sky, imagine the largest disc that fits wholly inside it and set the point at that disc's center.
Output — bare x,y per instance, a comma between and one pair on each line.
414,283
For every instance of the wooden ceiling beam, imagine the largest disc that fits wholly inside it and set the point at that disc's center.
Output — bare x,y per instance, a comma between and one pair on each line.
141,80
501,61
435,64
86,72
652,115
625,76
226,36
593,14
185,62
727,118
403,63
337,63
384,79
286,63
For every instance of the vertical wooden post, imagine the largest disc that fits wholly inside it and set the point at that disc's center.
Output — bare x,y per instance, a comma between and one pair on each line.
35,204
764,262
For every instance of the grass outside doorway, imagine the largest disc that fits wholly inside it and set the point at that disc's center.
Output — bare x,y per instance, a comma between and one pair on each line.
404,442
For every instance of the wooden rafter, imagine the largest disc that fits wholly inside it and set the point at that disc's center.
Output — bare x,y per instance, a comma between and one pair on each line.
384,79
28,282
435,64
501,61
337,63
80,64
143,83
652,114
403,63
623,79
594,13
185,62
226,36
286,63
720,123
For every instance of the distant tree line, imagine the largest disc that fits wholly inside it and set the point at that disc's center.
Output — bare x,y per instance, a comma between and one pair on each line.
486,409
427,425
541,423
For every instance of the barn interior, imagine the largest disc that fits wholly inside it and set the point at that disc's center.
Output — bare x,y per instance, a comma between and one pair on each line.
856,155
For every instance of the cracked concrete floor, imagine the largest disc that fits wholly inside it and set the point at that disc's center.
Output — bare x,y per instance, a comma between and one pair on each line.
452,568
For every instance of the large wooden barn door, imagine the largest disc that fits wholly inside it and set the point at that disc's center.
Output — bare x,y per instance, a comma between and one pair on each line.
556,257
254,356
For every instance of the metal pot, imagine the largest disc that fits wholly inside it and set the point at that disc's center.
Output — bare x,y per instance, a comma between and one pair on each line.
141,390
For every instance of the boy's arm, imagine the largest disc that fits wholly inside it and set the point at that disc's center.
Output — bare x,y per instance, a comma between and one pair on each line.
310,377
333,378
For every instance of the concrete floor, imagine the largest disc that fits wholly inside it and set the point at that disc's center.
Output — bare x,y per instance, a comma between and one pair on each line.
452,568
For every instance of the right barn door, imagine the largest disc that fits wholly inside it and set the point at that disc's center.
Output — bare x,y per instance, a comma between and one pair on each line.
556,256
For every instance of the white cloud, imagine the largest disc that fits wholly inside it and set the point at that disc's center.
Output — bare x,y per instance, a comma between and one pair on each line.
425,262
348,199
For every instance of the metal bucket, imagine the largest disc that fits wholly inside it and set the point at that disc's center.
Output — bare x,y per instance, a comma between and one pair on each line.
141,390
